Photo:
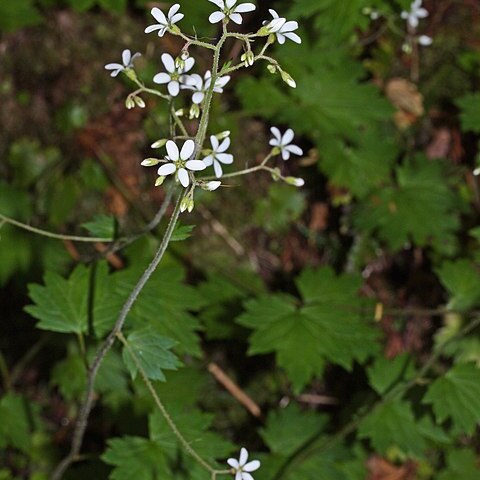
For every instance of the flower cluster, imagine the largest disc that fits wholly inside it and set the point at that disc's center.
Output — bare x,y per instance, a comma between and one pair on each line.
183,161
413,17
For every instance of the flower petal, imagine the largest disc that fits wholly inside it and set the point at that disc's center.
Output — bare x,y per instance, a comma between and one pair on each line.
236,17
243,456
294,37
168,62
173,10
198,97
167,169
174,88
161,78
276,133
245,7
176,18
217,166
273,13
239,476
153,28
114,66
208,161
189,63
285,155
223,147
126,57
183,177
196,165
214,141
294,149
172,150
158,15
247,476
289,26
216,17
287,137
187,150
251,466
225,158
421,13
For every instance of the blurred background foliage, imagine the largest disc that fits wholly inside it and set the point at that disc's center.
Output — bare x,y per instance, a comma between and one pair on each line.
266,286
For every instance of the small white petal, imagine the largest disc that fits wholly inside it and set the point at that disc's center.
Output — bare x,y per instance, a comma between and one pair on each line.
413,21
290,27
239,476
172,150
126,57
153,28
230,3
173,10
236,17
196,165
114,66
214,141
276,133
176,18
216,17
208,161
187,150
223,147
167,169
198,97
421,13
174,88
158,15
273,13
285,155
183,177
217,166
251,466
168,62
225,158
189,63
280,38
294,37
288,136
211,187
245,7
247,476
162,78
425,40
294,149
243,456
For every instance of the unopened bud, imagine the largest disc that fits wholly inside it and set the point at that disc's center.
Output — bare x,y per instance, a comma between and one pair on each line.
180,112
276,175
150,162
184,55
287,78
179,63
211,186
223,135
194,111
159,181
296,182
425,40
187,204
129,103
248,58
139,101
159,143
272,68
263,32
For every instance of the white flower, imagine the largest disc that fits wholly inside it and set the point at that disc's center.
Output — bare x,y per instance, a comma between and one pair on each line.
218,155
282,28
164,23
416,12
284,143
241,467
179,162
200,85
230,11
174,76
425,40
127,62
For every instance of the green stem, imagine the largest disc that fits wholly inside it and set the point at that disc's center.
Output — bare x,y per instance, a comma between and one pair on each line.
188,448
56,236
7,379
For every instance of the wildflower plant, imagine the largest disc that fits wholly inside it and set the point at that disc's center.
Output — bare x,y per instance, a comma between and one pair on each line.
191,161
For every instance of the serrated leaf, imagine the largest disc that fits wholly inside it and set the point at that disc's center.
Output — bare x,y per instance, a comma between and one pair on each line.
462,464
462,280
470,115
289,429
61,305
420,208
393,424
165,304
102,226
385,372
321,328
152,352
136,458
456,395
182,232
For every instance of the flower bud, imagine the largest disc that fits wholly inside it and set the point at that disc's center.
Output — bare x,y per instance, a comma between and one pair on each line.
287,78
296,182
211,186
184,55
180,112
194,111
129,103
159,143
276,175
425,40
131,74
179,63
139,101
263,32
272,68
150,162
159,181
223,135
248,58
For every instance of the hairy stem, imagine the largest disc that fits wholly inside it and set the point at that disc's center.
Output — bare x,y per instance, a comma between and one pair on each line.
87,404
188,448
